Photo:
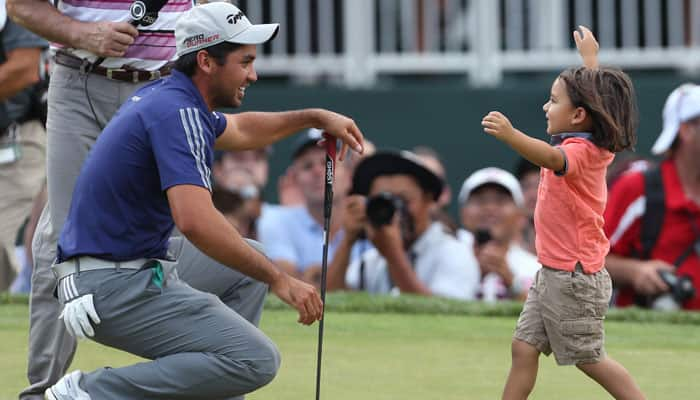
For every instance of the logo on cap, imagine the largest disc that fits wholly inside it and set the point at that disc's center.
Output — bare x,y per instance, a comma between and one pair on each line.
234,18
198,40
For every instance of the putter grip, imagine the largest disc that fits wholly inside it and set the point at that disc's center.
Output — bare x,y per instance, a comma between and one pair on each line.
331,146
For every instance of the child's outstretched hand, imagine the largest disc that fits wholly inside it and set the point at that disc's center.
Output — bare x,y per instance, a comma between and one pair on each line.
587,46
497,125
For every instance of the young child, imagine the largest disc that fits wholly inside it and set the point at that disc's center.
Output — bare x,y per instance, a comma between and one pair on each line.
591,114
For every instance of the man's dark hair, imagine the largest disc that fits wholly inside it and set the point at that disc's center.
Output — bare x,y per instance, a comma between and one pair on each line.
187,64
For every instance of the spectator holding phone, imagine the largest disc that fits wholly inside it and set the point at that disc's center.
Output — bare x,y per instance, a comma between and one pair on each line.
492,214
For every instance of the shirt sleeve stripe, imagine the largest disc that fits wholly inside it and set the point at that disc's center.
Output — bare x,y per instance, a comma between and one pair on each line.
186,125
201,138
632,213
193,115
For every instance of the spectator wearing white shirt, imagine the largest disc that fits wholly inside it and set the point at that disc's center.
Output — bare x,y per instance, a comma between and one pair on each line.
492,214
411,253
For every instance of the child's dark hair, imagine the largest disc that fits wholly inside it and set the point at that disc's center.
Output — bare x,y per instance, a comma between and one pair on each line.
607,95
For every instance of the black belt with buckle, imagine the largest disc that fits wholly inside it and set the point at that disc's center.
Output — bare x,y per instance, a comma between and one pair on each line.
117,74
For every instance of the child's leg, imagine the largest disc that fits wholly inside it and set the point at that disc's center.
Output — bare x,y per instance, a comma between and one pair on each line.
523,371
612,376
529,341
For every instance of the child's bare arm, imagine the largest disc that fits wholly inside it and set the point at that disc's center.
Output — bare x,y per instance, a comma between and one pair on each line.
535,150
587,46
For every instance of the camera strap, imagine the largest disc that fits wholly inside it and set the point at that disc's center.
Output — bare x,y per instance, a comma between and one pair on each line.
694,246
653,217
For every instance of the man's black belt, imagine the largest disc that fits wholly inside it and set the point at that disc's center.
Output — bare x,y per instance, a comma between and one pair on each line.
117,74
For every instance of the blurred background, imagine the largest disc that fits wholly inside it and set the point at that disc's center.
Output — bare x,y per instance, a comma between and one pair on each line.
424,72
420,75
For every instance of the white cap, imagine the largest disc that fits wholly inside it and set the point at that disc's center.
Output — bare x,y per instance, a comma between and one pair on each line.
682,105
213,23
494,176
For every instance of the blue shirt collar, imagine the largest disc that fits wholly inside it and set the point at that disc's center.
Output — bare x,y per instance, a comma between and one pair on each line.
185,82
558,139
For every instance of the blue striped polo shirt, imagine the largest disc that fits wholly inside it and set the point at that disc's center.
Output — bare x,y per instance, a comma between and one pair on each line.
163,136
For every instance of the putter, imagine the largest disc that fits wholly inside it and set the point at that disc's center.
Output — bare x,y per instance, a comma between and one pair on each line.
327,207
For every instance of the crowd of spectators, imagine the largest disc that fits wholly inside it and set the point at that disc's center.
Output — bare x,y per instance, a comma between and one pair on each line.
487,253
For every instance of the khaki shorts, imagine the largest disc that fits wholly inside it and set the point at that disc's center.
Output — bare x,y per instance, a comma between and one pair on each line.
564,313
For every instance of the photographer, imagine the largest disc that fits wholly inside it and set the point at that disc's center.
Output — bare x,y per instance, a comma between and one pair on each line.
492,213
22,135
394,195
653,217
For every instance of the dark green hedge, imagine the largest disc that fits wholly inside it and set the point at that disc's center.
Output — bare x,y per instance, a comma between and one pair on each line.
408,304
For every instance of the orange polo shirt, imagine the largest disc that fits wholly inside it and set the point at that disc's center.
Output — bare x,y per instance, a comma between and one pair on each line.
569,212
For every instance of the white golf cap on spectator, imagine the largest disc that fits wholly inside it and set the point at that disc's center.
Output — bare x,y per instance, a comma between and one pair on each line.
495,176
682,105
213,23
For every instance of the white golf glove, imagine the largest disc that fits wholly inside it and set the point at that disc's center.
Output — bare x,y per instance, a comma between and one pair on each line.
77,315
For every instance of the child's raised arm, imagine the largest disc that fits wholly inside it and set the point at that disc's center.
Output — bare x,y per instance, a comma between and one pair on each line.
536,151
587,46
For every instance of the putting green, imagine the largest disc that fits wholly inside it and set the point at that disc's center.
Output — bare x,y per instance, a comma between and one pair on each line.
404,356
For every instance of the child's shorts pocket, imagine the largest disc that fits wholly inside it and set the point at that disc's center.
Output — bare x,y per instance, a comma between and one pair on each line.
592,292
583,338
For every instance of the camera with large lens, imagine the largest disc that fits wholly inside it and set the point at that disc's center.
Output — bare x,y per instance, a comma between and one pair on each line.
381,208
482,236
682,288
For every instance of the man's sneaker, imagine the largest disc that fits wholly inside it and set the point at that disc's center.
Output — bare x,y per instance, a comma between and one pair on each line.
67,388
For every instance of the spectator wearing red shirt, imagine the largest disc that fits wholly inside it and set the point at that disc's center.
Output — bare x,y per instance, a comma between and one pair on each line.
636,276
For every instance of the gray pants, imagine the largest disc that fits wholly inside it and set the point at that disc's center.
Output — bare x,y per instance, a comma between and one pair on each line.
72,130
201,347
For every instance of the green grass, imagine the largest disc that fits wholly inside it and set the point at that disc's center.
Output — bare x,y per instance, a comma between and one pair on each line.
395,355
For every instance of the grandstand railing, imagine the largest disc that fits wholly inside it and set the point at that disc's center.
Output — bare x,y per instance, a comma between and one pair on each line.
355,41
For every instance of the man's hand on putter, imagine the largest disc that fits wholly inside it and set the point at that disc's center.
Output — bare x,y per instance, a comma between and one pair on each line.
497,125
342,128
301,296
